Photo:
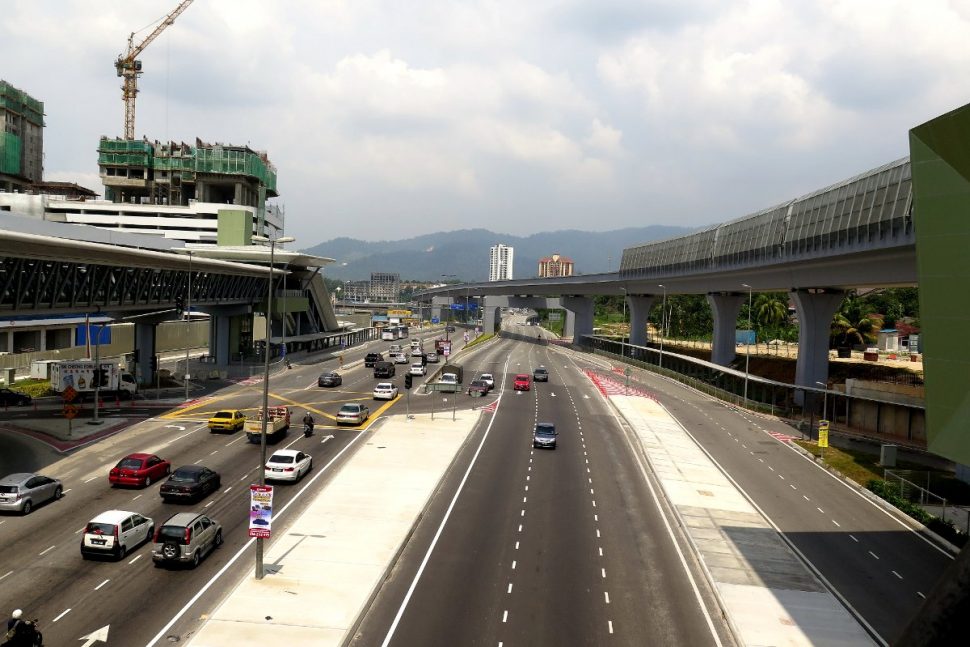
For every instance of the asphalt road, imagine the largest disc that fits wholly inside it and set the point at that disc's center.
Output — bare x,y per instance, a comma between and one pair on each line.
542,547
41,570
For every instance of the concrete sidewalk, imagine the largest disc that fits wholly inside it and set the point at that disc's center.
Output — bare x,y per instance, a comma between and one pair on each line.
325,568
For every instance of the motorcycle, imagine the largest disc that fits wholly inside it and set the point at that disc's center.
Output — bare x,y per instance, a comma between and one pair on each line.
307,429
25,634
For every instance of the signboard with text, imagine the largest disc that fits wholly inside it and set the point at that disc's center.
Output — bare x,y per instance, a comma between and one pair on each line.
260,511
823,433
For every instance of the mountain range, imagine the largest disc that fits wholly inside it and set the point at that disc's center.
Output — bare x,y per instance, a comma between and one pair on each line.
464,252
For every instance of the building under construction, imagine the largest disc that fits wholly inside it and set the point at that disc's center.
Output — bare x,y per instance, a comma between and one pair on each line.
144,172
21,139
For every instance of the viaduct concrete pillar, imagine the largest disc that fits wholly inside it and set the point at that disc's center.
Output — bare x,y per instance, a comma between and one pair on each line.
490,315
145,349
725,307
814,308
219,326
579,317
639,311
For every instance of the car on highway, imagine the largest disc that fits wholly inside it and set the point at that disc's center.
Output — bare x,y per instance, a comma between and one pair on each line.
417,368
488,379
190,482
385,391
401,358
9,397
140,470
185,538
540,374
330,378
544,436
371,358
431,358
384,370
288,465
24,491
352,413
449,329
478,388
115,533
522,382
227,420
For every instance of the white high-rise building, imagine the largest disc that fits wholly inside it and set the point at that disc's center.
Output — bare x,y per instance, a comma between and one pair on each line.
500,263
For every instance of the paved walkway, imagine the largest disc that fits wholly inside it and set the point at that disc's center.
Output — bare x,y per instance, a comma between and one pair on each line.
327,566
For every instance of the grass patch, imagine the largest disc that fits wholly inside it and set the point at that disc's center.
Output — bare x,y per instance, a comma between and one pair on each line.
478,340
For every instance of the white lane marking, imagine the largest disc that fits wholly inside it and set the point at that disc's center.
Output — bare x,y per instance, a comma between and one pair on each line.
820,509
919,593
46,550
79,530
63,613
792,486
836,523
523,513
603,571
597,533
208,504
136,498
524,499
520,527
606,596
227,489
98,587
852,537
244,477
245,547
197,462
594,503
873,554
235,441
214,452
64,492
609,623
897,574
591,491
806,498
93,478
510,588
596,517
601,551
135,559
771,468
505,616
516,545
513,564
781,477
526,488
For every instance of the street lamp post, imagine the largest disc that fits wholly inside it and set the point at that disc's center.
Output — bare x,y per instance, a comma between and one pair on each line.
747,352
448,276
825,400
663,315
188,327
269,336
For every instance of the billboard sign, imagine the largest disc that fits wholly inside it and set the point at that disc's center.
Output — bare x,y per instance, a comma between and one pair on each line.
260,511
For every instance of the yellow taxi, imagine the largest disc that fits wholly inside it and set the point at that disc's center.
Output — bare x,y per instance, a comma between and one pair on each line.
227,420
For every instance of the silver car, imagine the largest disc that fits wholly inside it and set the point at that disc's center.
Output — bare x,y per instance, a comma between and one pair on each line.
352,414
186,538
23,492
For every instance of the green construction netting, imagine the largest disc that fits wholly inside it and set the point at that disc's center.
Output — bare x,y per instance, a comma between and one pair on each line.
9,154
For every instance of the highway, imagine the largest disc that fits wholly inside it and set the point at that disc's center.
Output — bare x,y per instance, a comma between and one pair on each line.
518,547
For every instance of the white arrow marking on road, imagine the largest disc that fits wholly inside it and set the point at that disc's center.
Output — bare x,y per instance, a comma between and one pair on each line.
326,438
553,394
180,428
586,396
95,636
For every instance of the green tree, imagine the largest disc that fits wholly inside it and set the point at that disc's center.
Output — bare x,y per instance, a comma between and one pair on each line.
853,323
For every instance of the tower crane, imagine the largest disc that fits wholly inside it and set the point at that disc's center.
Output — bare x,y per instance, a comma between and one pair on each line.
129,67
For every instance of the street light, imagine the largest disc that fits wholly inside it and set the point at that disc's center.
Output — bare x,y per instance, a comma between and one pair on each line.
448,276
624,305
188,327
747,352
269,336
663,315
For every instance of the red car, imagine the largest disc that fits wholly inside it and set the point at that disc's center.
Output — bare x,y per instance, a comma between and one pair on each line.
522,382
140,470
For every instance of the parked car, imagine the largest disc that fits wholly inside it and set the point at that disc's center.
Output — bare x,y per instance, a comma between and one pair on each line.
544,436
431,357
353,414
385,391
185,539
417,368
288,465
371,358
115,533
488,379
8,397
330,378
24,491
227,420
540,374
140,470
478,388
522,382
190,482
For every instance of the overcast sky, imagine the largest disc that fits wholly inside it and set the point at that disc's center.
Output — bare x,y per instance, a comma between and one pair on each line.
387,120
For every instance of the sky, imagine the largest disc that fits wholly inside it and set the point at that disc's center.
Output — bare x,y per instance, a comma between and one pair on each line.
388,120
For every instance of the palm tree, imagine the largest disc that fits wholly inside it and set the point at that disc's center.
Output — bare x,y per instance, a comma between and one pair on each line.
769,310
851,325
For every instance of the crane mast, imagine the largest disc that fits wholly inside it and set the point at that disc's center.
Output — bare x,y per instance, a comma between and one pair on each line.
129,67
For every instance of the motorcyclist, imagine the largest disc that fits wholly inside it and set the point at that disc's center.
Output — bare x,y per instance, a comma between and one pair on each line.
307,423
21,632
14,619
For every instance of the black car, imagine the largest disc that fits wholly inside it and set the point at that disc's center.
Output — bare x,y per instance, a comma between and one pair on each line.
8,397
384,370
190,482
540,375
449,329
372,358
331,378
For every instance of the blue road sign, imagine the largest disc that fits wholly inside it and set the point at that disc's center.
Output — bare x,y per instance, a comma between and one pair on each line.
435,320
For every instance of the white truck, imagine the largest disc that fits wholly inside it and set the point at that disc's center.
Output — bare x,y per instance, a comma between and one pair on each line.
447,383
83,375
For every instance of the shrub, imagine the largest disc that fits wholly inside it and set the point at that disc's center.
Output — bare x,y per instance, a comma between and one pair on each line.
942,527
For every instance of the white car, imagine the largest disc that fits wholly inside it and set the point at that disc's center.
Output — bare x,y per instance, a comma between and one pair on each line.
288,465
401,358
114,533
418,369
385,391
431,357
488,379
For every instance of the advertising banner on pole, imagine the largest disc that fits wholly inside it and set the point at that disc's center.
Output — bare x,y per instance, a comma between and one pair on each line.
260,511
